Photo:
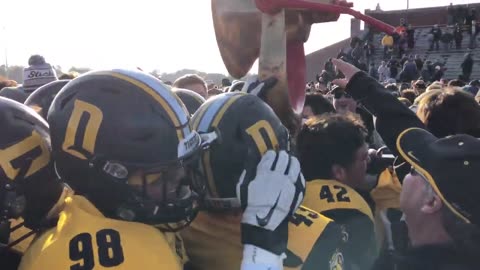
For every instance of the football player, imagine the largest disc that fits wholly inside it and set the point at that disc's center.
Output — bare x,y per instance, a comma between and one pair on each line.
120,140
41,99
29,188
333,155
190,99
240,128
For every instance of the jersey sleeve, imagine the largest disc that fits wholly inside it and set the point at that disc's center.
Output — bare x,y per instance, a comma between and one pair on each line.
329,249
361,248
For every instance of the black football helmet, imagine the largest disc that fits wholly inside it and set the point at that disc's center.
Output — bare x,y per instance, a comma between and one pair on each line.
14,93
191,99
41,99
29,187
121,139
238,129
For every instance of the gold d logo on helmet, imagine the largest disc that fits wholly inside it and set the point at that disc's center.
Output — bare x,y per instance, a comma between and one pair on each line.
27,150
90,130
254,132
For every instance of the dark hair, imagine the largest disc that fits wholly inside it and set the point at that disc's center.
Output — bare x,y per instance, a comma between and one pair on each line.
329,139
456,83
319,104
68,76
404,86
36,60
189,79
405,101
450,112
409,94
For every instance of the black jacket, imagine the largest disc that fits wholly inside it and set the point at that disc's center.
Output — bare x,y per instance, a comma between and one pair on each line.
392,117
431,257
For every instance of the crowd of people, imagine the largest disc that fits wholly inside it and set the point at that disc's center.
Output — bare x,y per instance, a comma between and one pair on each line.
116,169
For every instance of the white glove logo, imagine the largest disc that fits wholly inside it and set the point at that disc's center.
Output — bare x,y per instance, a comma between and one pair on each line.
264,221
275,193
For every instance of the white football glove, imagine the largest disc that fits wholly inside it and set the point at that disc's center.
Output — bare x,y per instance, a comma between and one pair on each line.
275,193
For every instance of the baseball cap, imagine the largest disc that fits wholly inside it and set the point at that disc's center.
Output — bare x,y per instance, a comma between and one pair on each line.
451,165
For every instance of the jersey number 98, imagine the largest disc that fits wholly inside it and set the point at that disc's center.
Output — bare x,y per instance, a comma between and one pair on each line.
109,250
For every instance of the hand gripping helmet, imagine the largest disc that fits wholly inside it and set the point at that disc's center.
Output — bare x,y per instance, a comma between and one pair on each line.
41,99
192,100
121,139
29,187
239,128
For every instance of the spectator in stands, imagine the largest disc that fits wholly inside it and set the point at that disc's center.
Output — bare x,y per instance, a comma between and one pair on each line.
419,87
316,104
467,66
392,89
410,37
460,15
402,44
358,52
37,74
437,34
438,74
387,43
470,25
456,83
369,51
471,18
449,112
439,63
393,66
329,67
418,62
435,86
192,82
458,36
427,71
409,72
383,72
372,71
403,60
447,40
405,101
450,14
409,94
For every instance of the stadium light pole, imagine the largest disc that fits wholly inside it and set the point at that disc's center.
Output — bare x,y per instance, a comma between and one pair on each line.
5,50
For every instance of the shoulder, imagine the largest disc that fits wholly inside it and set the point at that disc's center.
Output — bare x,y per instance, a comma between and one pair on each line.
331,195
313,240
107,243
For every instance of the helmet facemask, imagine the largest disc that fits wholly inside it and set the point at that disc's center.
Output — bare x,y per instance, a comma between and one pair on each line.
156,194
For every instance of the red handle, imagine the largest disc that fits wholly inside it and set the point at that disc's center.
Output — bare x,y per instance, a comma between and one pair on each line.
341,7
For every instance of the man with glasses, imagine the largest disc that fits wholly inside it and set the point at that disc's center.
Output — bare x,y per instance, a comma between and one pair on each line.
439,200
439,194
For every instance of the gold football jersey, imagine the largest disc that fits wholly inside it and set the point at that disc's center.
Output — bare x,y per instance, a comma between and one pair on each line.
348,208
213,241
84,240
